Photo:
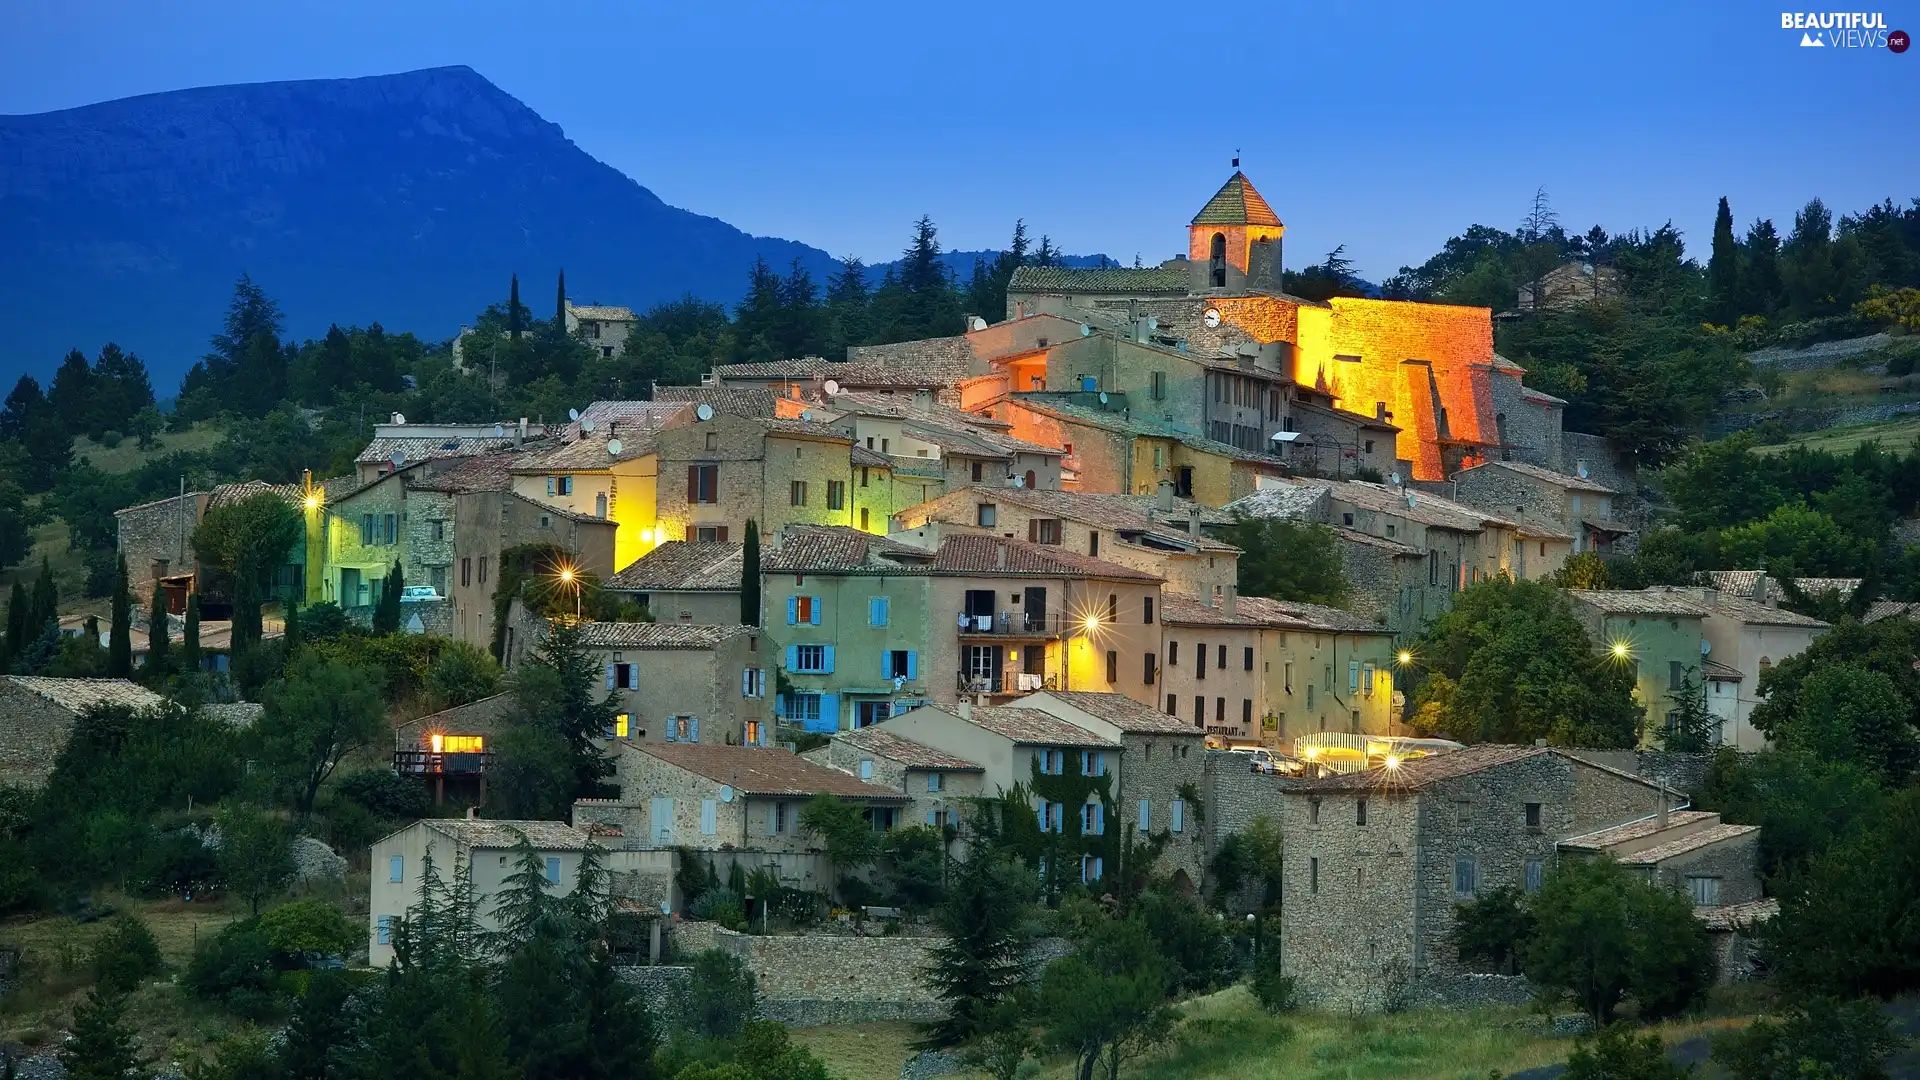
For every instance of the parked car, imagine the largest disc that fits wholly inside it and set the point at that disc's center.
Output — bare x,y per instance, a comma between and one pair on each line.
418,593
1261,759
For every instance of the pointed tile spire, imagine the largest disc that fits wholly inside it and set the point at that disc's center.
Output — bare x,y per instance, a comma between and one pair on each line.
1237,203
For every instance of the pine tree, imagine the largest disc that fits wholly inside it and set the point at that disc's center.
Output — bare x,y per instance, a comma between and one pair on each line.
190,639
101,1046
977,960
120,637
156,667
72,393
1760,290
515,322
849,315
750,576
46,599
560,304
1723,270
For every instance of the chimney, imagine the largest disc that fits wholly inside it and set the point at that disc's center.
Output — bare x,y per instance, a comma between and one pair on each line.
1163,498
520,433
1662,817
923,400
1000,556
965,708
1230,602
473,813
1193,521
1763,592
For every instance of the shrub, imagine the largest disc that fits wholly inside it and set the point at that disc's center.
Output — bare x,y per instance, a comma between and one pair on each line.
1616,1053
385,794
1490,930
720,995
306,929
234,968
1272,988
179,861
1822,1037
110,439
460,674
125,955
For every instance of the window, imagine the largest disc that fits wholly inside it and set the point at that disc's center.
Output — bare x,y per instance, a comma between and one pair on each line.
798,492
1052,762
383,934
553,869
564,485
1246,658
987,515
866,768
1222,659
623,676
878,608
622,724
803,707
810,658
1533,815
1313,876
863,519
803,610
466,572
703,484
1044,530
1536,875
1676,674
1310,702
1092,821
396,867
1359,811
836,494
753,684
1173,654
437,529
1200,660
976,472
863,476
898,664
1466,876
1157,385
1347,520
483,569
1220,710
936,781
1353,676
708,534
1113,608
753,733
1328,677
1704,890
1313,811
1093,548
778,817
1092,868
1287,674
1173,705
1113,667
1148,672
713,440
1246,712
1199,710
1093,763
1179,815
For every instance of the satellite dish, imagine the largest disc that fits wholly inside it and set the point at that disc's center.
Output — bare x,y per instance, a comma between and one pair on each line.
726,792
1085,330
399,418
1153,322
573,414
832,387
807,415
586,427
1705,646
1019,481
1211,317
614,446
1394,479
399,461
1410,500
703,411
1580,470
1103,397
499,431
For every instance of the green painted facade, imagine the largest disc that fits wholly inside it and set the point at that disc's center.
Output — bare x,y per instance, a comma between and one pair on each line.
852,646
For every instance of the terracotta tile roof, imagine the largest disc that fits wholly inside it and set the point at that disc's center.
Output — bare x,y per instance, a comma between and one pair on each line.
752,770
1147,281
79,695
1842,587
1716,671
1755,614
1654,601
1137,425
488,472
945,359
585,453
1031,727
191,497
682,566
1355,536
734,400
861,456
1125,713
1427,508
1738,916
481,833
1691,842
603,312
881,743
1314,616
1738,582
658,635
1178,610
410,449
1416,773
1535,472
626,418
1236,203
841,549
1891,609
998,556
1120,513
1635,830
897,405
780,425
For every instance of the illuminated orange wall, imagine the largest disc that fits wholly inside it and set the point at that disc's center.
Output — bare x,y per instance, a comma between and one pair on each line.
1239,239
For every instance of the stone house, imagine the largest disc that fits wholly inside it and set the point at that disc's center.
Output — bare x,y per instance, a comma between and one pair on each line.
156,538
1377,860
1692,851
740,401
718,473
1750,638
606,466
1270,671
1156,534
1163,778
1336,443
1053,759
37,715
366,533
1659,634
1115,449
713,797
851,618
485,849
453,747
1569,505
681,682
603,327
398,445
684,581
1568,286
969,448
938,786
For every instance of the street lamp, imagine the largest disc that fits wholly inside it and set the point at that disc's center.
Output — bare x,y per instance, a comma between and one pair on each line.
570,578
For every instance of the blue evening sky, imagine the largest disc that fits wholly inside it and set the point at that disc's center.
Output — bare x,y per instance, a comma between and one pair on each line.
1387,127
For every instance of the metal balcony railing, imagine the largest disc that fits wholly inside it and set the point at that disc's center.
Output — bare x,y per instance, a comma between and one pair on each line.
428,763
1008,682
1015,624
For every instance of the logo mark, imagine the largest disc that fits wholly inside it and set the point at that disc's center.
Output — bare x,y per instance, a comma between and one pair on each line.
1898,41
1808,41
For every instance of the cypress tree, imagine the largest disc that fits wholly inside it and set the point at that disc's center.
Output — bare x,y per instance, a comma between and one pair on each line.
750,576
46,599
93,630
156,668
190,640
17,606
386,615
1723,270
120,637
560,305
514,325
290,637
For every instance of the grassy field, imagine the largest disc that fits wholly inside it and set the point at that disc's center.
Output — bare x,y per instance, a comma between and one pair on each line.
1226,1036
69,572
128,456
1892,435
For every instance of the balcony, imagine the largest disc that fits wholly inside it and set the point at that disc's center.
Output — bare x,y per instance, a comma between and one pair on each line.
1015,624
1008,682
420,762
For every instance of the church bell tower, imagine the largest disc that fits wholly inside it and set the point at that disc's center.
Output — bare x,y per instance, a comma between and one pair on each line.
1234,241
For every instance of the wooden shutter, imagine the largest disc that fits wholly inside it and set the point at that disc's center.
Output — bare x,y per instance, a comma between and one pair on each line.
693,485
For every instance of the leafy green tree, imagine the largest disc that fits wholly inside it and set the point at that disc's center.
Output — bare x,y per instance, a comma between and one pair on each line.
1723,271
1616,1053
1690,725
101,1046
750,576
1249,859
1849,713
1795,540
1817,1037
245,542
1289,560
532,775
120,637
462,673
1846,924
322,711
977,961
1493,929
1107,1002
843,830
1511,663
1887,649
321,1021
256,854
310,929
1802,803
1602,936
721,995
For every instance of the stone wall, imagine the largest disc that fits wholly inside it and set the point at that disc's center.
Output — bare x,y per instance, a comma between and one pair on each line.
1735,861
1683,773
1466,991
33,731
813,979
1154,770
155,533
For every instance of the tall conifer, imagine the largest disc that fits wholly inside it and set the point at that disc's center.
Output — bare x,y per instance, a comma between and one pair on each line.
156,667
514,323
1723,270
190,638
560,305
120,637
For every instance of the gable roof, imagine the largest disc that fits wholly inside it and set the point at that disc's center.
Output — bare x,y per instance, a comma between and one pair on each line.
752,770
481,833
1124,281
1635,830
1757,614
1316,616
1237,203
682,566
1124,713
1653,601
1416,773
658,635
631,417
1891,609
899,748
737,400
1120,513
486,472
79,695
1535,472
1135,424
841,549
1030,727
974,555
410,449
602,312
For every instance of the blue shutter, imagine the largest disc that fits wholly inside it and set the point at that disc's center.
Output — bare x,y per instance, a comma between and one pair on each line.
693,730
633,676
814,615
395,868
793,658
829,705
913,665
549,485
766,734
886,664
609,676
826,664
930,817
669,726
1179,814
746,683
384,934
793,611
779,710
1146,817
553,869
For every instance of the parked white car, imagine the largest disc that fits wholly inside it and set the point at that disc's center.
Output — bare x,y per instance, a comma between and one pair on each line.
414,594
1260,757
